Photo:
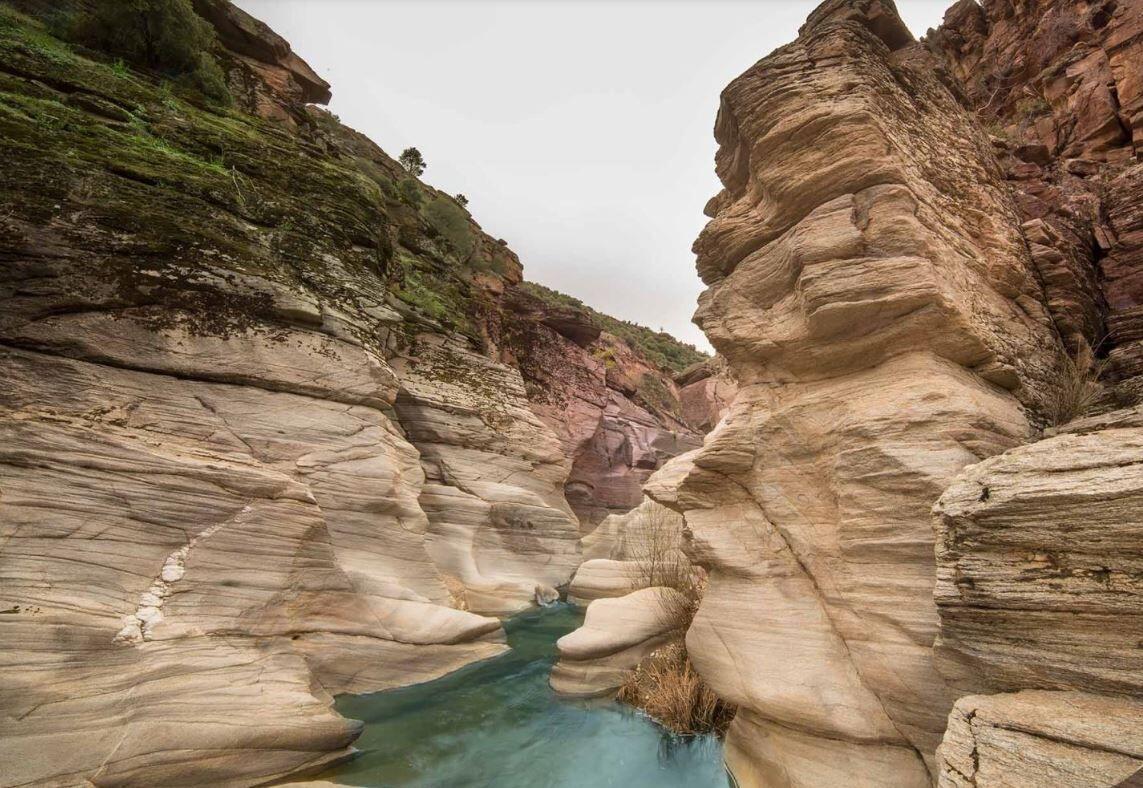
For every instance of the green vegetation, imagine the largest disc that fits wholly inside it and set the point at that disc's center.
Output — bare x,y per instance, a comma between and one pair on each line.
410,193
155,185
165,36
432,291
1030,106
655,394
460,198
658,347
413,162
450,220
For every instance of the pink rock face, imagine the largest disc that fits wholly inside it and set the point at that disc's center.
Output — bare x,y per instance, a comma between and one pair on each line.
705,393
618,418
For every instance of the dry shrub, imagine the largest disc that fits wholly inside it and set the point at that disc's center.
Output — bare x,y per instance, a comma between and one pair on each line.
666,684
1078,387
657,560
671,691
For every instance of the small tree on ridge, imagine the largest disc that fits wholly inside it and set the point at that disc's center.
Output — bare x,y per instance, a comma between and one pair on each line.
412,160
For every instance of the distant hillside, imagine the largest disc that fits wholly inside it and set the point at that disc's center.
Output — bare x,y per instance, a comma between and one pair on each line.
658,347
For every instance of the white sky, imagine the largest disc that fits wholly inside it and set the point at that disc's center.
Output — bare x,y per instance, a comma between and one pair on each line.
580,130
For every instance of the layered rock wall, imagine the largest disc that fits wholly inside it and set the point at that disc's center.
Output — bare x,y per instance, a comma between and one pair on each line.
1057,86
1039,564
261,439
870,288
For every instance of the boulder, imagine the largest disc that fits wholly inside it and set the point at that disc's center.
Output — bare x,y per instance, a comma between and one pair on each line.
617,634
1038,555
1042,740
600,578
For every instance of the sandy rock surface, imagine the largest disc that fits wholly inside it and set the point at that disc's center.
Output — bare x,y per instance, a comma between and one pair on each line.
1036,739
871,290
617,634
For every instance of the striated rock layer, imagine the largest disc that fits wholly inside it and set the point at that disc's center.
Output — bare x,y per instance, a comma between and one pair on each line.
262,436
1057,85
872,293
1039,564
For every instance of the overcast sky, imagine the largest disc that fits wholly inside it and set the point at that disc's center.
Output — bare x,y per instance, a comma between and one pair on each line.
580,130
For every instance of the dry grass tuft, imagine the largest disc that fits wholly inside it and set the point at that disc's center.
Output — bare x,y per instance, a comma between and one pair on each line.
666,685
657,558
671,691
1078,388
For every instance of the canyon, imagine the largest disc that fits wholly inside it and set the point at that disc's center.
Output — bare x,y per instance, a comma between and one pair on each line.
281,422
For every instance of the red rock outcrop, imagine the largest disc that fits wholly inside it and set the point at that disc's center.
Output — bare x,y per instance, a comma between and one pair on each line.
266,76
1059,86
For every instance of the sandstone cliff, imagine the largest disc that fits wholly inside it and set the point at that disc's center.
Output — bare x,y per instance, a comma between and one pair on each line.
266,434
902,289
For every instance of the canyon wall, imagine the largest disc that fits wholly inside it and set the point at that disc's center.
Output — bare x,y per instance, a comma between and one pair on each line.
1038,550
265,433
906,279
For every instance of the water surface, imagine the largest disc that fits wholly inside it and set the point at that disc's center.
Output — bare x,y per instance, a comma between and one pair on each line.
498,723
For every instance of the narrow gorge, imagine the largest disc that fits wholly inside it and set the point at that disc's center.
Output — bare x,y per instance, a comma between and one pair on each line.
281,424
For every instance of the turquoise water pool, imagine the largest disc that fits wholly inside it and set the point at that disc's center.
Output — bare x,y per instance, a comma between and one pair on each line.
498,723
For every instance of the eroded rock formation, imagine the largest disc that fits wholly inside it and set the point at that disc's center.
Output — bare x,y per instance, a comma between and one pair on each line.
262,436
617,634
873,295
896,290
618,417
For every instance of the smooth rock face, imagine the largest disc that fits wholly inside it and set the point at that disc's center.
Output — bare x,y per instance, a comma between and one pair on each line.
600,578
872,293
499,524
173,547
1043,739
1038,564
617,634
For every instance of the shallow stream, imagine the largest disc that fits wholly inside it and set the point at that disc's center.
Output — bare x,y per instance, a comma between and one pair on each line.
497,723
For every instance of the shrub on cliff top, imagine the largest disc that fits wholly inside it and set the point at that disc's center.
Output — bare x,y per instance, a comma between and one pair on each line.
162,35
659,348
450,220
